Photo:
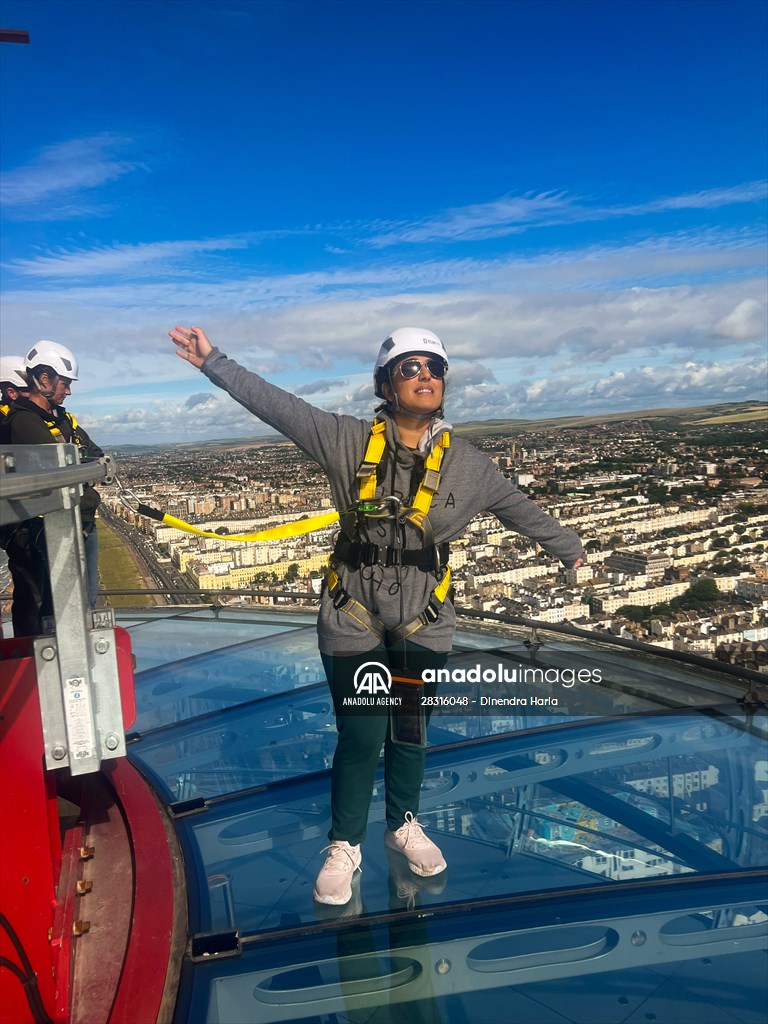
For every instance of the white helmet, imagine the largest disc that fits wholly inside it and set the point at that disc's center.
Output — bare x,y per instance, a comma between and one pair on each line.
405,341
12,372
51,353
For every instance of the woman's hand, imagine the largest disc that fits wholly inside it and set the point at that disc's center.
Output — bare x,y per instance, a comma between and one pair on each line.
193,345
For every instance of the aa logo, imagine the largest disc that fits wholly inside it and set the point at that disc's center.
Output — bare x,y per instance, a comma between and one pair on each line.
372,678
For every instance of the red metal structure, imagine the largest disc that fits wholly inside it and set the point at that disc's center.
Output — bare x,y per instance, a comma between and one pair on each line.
87,866
48,876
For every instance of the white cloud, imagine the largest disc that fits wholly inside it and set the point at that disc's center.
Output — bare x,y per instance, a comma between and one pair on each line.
126,341
122,259
745,321
655,260
45,187
500,217
319,387
550,333
671,384
512,214
707,199
208,416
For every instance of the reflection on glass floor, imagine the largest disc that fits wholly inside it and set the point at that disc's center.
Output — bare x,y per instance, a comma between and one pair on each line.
599,851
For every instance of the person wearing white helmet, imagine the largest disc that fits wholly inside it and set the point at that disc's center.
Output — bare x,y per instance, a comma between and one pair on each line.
51,368
403,488
13,383
12,376
404,342
36,416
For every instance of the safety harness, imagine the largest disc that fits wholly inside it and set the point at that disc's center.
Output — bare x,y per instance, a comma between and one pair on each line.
354,553
431,557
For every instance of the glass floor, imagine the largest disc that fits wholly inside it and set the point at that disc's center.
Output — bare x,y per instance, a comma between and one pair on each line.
606,853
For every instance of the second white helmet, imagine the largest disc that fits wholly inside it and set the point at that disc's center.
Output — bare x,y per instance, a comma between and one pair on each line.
51,353
12,372
402,342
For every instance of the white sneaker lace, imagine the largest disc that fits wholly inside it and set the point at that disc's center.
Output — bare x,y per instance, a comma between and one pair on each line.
334,849
414,833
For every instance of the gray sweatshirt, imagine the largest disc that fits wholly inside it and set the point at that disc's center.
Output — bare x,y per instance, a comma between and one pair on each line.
469,484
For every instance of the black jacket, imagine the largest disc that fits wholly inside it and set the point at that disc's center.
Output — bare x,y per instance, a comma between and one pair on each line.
27,423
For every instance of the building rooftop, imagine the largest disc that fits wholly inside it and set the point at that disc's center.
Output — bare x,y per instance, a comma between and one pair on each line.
604,854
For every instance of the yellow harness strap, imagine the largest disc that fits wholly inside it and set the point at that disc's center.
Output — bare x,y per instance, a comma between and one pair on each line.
275,533
374,452
56,433
417,513
347,604
430,481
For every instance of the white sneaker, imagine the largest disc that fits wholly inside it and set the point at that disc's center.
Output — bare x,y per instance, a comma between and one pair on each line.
424,858
334,883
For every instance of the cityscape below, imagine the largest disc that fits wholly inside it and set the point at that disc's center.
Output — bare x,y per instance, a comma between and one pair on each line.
672,510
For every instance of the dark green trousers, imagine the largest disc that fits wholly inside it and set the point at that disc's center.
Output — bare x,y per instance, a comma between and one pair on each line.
361,736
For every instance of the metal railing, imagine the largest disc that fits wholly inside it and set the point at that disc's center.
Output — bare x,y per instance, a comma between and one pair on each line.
536,630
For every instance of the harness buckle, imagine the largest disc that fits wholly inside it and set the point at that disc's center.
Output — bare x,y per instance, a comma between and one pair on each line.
394,556
431,479
369,554
341,598
431,613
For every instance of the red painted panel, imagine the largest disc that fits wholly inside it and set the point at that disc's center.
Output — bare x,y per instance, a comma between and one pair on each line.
125,667
31,851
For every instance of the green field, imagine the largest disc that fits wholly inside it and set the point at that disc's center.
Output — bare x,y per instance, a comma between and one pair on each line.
118,570
744,417
727,412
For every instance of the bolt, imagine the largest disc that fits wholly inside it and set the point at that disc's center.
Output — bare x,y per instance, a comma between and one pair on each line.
10,463
111,742
638,938
86,852
443,966
58,753
48,653
80,927
102,645
83,887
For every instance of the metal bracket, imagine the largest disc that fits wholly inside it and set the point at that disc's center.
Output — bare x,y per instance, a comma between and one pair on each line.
78,682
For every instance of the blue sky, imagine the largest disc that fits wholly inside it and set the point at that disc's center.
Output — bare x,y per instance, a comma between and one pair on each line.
573,195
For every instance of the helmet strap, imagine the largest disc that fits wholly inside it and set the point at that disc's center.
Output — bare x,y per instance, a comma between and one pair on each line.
51,392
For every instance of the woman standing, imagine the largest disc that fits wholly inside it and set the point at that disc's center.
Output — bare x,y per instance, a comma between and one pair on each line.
404,488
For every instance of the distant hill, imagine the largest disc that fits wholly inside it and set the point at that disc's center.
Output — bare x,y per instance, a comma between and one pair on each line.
228,443
700,415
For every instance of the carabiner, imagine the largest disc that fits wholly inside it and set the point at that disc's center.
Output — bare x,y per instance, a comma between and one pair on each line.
126,496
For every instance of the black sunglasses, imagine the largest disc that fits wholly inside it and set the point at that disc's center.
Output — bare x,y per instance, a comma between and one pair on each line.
410,368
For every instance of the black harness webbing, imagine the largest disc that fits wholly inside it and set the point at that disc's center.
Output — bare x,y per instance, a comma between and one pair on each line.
357,553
